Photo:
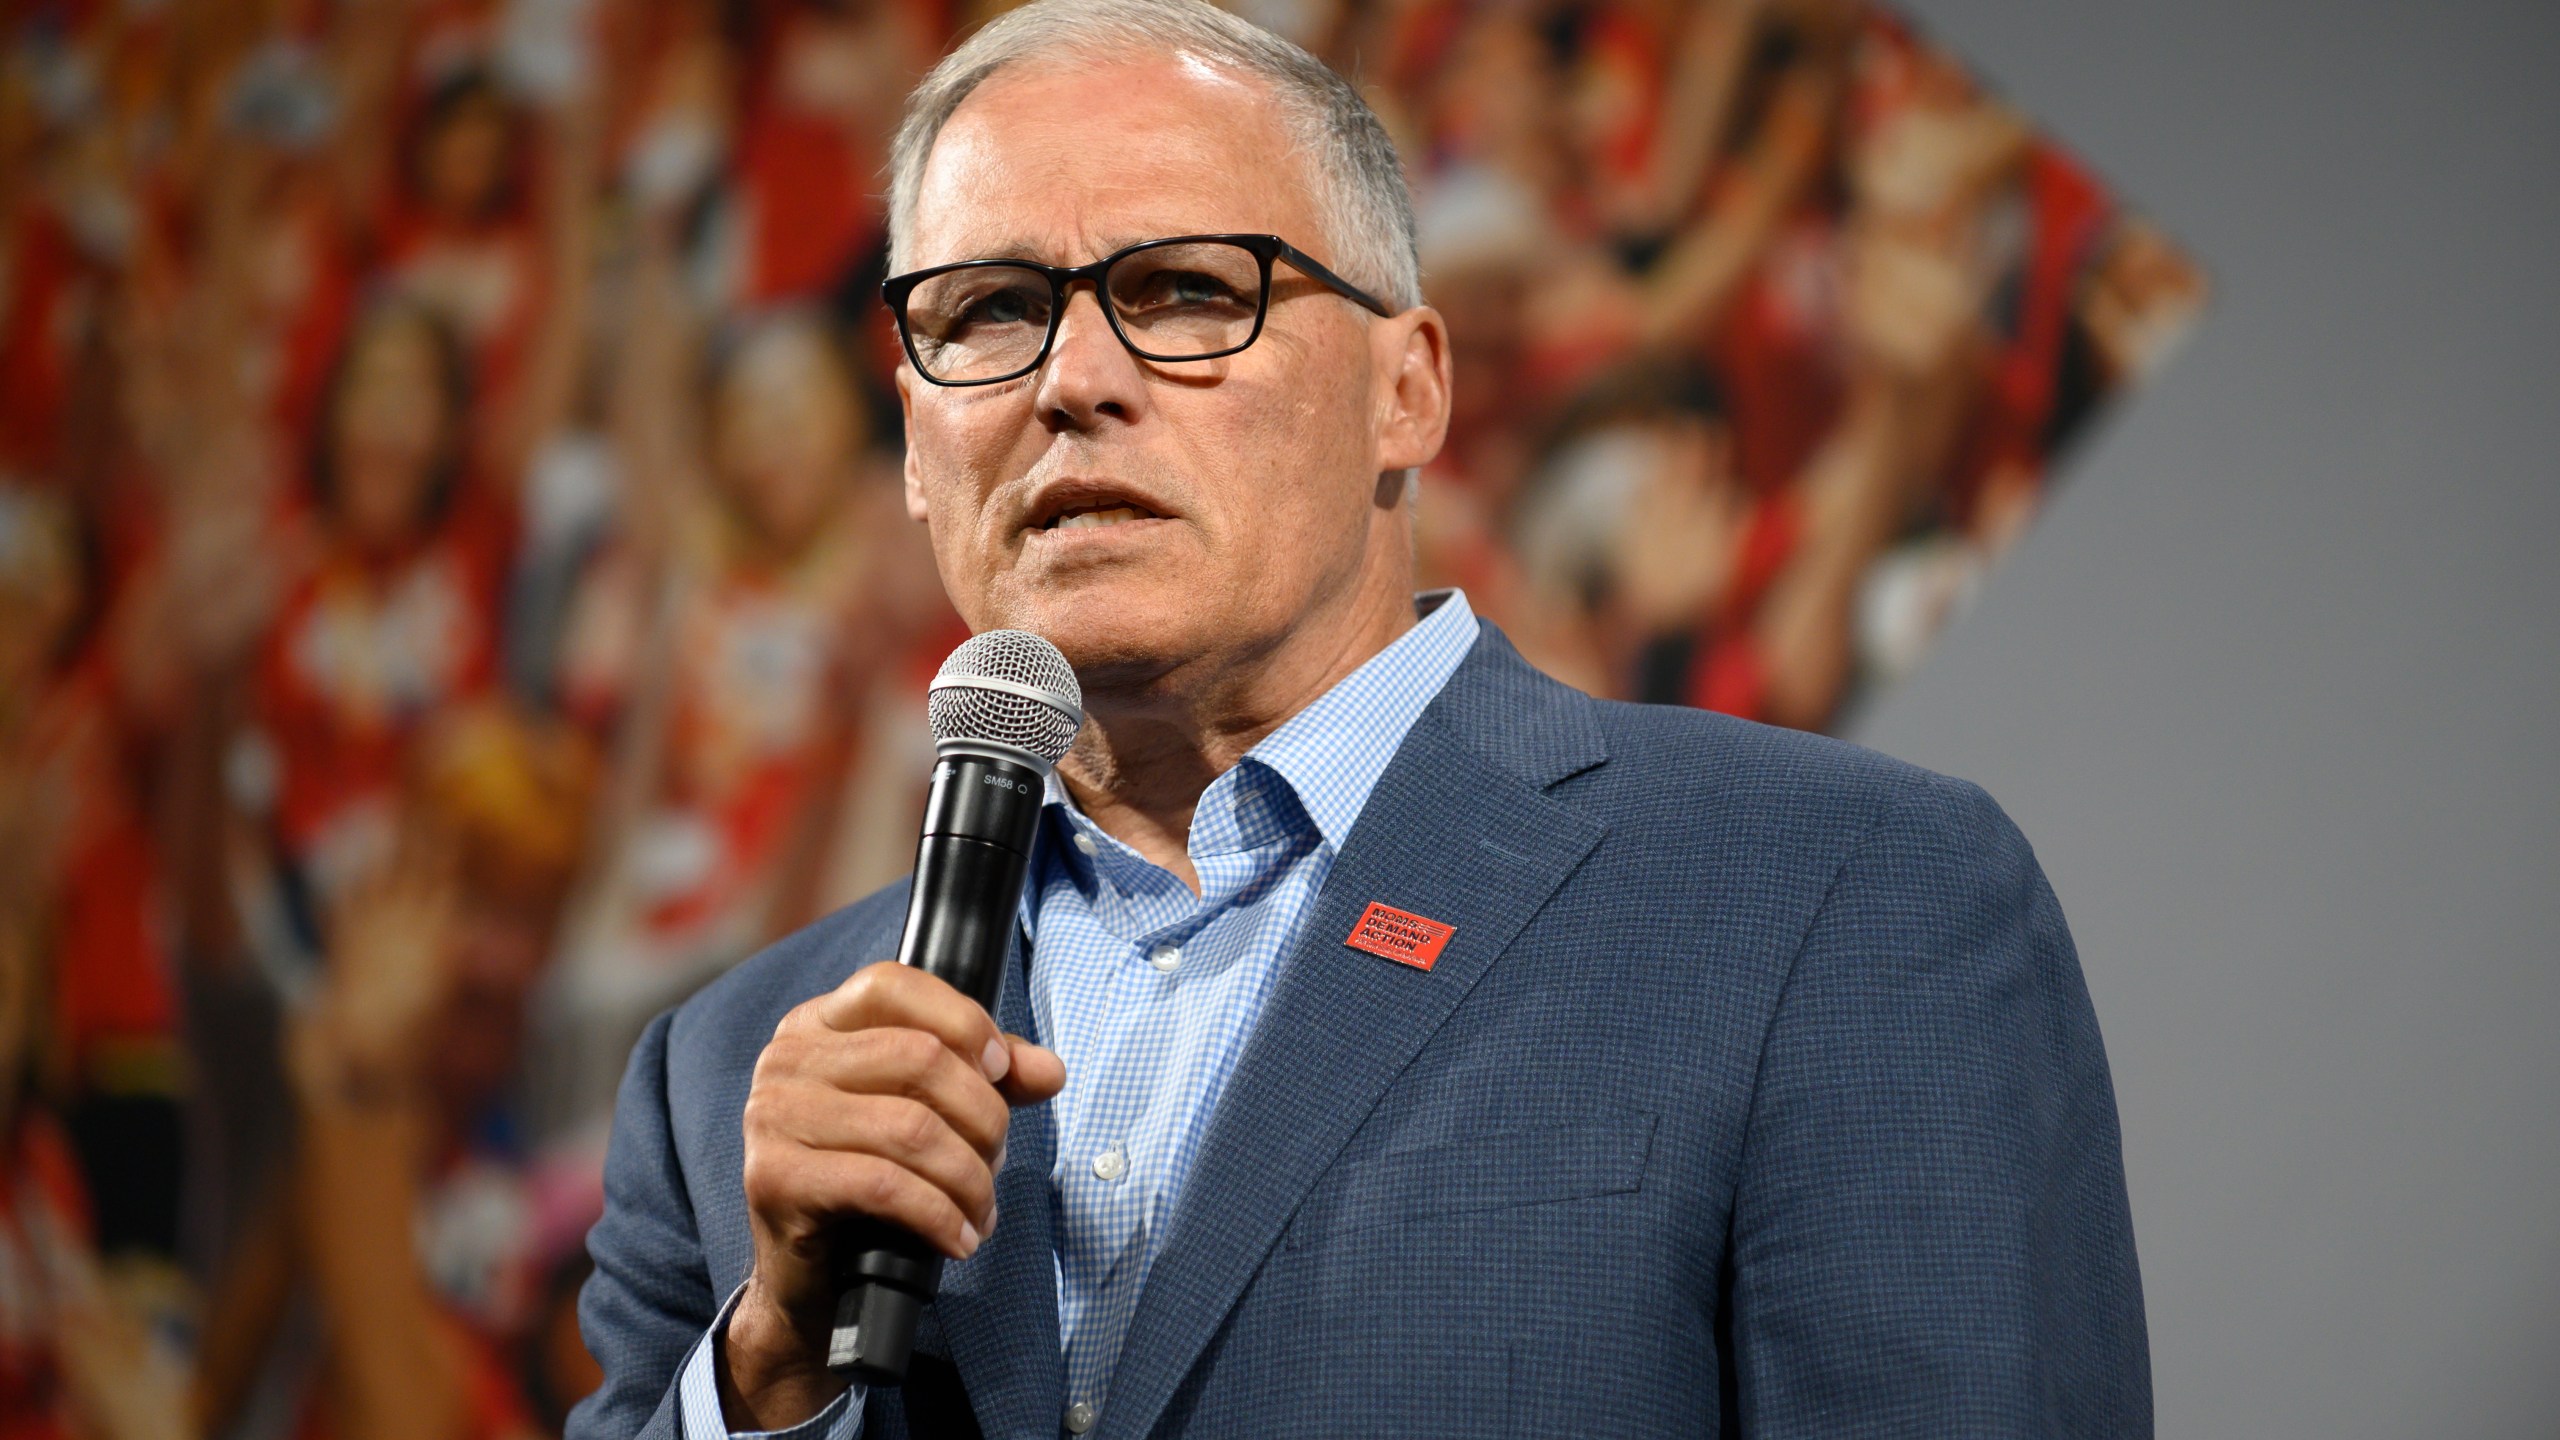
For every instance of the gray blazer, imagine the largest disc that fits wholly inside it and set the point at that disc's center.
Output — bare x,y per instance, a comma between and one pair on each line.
1758,1093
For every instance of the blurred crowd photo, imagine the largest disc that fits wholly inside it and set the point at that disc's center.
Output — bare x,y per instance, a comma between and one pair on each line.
456,596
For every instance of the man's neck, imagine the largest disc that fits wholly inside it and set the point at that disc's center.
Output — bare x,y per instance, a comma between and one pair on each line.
1139,769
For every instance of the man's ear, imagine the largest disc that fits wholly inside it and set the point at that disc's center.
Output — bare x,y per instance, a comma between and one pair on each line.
1413,394
907,416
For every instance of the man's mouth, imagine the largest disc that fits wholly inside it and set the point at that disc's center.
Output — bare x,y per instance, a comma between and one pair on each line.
1096,517
1090,502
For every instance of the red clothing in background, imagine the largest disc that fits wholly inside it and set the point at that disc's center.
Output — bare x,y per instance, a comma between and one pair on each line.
43,1225
111,984
362,653
44,300
1728,672
2067,212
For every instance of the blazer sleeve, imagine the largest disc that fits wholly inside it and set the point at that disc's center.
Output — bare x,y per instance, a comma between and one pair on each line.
650,1298
1930,1233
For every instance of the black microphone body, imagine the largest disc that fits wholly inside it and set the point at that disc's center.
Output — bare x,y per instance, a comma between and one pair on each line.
980,816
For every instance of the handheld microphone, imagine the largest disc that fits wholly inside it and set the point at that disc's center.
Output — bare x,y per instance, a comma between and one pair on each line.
1004,707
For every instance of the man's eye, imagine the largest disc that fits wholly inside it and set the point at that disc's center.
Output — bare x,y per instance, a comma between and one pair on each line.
1180,289
1002,307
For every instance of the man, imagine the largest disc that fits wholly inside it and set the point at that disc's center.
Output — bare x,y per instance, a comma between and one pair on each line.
1710,1080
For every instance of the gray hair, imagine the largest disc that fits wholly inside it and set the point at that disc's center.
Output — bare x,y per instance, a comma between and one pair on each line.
1368,212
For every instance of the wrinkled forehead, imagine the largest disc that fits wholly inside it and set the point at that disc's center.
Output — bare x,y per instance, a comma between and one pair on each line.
1064,161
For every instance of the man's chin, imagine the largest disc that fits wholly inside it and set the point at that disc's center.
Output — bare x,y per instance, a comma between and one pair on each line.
1119,633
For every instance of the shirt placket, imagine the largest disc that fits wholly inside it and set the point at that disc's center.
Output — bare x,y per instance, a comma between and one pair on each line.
1107,1179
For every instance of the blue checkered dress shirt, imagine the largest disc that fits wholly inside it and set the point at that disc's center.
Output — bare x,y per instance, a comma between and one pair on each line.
1148,991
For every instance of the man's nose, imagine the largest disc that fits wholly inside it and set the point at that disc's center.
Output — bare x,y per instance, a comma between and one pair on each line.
1089,376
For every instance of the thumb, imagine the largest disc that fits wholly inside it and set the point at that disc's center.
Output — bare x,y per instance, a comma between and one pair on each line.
1036,1074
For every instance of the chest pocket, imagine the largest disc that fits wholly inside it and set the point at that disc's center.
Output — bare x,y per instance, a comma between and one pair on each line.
1498,1171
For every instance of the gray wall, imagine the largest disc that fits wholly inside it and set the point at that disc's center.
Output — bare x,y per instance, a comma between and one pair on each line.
2273,692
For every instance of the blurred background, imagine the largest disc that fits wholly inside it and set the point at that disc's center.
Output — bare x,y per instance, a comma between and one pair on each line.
454,601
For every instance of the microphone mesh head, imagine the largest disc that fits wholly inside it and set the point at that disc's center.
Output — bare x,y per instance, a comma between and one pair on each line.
1042,723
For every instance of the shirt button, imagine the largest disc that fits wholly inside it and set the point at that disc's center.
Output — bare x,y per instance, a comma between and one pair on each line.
1165,957
1084,842
1080,1418
1111,1164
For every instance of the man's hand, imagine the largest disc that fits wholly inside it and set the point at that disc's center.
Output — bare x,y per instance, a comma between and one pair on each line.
887,1097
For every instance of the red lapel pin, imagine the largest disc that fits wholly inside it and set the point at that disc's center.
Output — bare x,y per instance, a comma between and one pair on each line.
1399,935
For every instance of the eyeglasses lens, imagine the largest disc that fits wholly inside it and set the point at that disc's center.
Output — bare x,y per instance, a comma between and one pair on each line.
980,323
1183,300
1173,302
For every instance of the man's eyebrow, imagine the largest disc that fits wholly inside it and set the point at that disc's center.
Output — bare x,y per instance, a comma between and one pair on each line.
1016,251
1024,250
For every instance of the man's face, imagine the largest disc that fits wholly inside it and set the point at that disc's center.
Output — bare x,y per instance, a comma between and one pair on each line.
1228,504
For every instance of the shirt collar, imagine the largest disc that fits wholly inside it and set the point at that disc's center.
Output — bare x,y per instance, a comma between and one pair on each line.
1330,754
1333,752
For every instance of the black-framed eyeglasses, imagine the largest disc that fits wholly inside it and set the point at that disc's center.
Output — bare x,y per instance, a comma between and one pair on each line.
1189,297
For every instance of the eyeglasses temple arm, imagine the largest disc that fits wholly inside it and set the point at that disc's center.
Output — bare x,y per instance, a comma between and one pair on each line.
1303,261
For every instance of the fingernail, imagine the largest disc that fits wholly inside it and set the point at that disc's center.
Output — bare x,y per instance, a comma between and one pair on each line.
997,1164
996,1059
968,1239
992,1214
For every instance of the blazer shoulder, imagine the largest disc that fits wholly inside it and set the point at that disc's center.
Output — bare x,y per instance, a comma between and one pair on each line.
1549,733
737,1011
1786,785
1726,750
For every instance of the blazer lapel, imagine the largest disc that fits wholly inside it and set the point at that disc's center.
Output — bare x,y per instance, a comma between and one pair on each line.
999,1308
1459,830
